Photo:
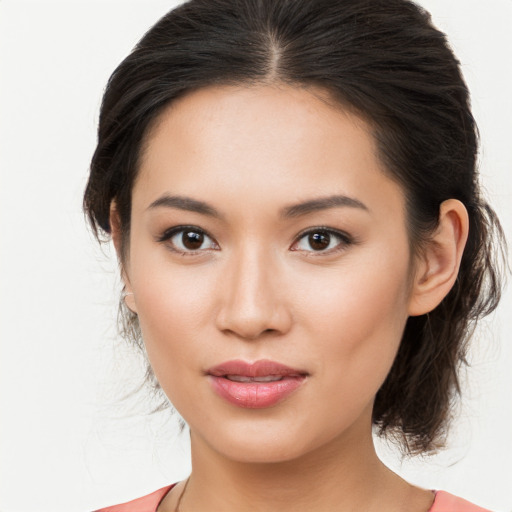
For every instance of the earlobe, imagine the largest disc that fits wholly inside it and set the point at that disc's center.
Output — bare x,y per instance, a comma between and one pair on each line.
438,267
116,232
129,300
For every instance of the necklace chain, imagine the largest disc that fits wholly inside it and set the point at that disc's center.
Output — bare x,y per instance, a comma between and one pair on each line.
177,509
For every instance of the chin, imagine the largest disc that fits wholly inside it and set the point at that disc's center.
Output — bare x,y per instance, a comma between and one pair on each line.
269,441
264,451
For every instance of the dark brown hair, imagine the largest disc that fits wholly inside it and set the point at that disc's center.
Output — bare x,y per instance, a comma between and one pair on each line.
385,60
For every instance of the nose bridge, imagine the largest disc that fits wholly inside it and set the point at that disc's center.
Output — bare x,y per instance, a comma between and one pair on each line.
252,303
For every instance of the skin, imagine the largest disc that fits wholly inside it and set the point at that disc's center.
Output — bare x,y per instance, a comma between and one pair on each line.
257,289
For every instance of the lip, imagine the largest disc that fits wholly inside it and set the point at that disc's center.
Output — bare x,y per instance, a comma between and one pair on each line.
255,394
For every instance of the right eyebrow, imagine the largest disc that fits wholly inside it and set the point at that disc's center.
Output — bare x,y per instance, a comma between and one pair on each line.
185,203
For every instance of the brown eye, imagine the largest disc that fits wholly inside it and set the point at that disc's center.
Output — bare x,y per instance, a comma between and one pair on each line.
322,240
192,240
319,241
188,240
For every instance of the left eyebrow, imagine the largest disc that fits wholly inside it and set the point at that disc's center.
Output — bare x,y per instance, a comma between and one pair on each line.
322,203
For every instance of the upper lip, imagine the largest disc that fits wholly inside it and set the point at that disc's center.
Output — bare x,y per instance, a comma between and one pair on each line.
261,368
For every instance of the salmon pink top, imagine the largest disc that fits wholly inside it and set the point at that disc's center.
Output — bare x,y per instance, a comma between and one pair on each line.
443,502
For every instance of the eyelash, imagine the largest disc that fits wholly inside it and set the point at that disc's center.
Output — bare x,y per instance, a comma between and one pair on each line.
169,233
344,240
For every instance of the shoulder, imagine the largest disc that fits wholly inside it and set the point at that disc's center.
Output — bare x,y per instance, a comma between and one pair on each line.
147,503
446,502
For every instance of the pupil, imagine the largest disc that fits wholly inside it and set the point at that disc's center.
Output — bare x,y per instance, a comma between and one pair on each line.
192,240
319,241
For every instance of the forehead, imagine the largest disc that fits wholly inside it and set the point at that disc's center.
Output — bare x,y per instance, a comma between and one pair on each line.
223,117
264,141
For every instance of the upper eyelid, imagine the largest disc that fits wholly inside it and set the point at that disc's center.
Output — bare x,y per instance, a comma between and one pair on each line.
344,240
171,232
168,233
337,232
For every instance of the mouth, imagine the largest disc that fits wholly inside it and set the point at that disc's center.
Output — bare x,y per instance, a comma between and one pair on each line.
242,378
255,385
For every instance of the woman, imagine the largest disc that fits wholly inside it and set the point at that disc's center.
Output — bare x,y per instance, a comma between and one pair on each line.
291,190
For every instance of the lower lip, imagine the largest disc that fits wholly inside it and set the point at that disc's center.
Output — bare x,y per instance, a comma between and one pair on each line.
255,395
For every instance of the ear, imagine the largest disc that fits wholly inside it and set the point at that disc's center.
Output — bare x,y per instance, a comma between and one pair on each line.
116,232
438,266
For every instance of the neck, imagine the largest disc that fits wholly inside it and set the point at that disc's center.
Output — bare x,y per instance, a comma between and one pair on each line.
343,475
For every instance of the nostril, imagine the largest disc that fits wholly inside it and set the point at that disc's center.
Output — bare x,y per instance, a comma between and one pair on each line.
250,320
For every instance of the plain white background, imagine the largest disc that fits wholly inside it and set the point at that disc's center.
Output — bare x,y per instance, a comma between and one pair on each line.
64,443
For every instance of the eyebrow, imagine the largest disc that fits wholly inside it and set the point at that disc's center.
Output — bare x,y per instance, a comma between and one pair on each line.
185,203
322,203
295,210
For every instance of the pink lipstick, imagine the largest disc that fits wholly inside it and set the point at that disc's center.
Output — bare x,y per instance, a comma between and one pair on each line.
255,385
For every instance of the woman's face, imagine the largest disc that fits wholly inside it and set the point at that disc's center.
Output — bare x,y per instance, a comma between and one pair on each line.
265,231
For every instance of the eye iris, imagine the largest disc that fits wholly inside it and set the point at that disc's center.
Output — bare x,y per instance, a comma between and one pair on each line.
319,241
192,240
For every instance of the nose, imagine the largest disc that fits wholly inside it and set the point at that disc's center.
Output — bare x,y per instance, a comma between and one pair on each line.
253,298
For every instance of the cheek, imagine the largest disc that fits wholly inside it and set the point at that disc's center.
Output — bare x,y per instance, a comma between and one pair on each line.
357,318
173,304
